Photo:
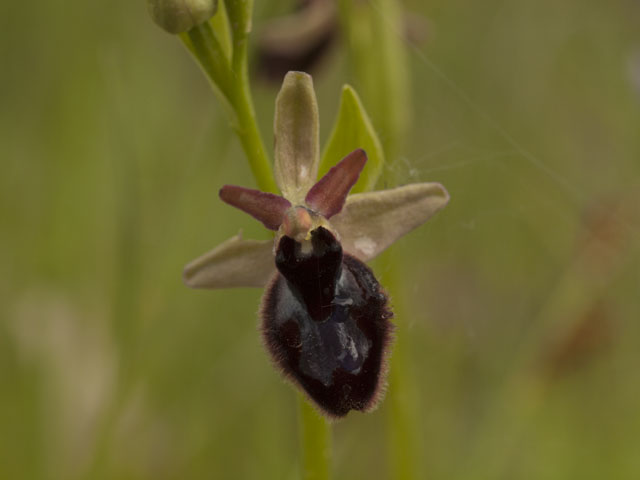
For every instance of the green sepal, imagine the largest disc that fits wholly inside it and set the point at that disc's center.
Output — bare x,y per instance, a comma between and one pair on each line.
383,83
353,129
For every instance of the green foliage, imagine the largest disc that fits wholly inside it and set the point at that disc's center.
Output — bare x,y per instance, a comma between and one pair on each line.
352,129
220,48
378,59
113,150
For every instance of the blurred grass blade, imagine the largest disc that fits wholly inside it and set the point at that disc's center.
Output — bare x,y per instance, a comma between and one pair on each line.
353,130
376,26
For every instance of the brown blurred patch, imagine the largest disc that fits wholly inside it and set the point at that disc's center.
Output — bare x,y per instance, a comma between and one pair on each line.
303,40
299,41
593,334
605,235
602,250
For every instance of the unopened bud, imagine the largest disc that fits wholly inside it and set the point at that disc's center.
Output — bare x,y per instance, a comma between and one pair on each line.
177,16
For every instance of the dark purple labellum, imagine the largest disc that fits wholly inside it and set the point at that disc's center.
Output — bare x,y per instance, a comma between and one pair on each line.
325,321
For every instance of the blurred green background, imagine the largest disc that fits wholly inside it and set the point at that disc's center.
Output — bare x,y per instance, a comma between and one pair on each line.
522,297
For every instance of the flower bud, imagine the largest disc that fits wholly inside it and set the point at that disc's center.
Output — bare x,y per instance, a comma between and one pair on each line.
177,16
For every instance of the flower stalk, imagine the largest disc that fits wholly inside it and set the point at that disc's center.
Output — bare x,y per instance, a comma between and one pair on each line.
403,439
320,297
249,135
378,25
315,433
325,319
230,81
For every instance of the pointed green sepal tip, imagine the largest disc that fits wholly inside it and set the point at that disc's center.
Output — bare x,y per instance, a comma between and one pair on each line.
177,16
353,130
297,144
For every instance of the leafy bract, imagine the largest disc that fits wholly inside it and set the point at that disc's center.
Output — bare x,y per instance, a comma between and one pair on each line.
353,130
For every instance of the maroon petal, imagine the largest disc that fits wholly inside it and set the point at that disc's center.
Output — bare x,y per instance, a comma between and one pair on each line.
266,207
327,197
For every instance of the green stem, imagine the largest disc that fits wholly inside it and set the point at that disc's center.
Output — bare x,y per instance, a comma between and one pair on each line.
231,84
202,42
230,81
315,433
404,441
247,130
247,126
376,25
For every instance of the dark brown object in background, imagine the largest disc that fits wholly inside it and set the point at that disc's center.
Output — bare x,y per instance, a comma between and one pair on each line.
601,248
304,39
298,41
592,335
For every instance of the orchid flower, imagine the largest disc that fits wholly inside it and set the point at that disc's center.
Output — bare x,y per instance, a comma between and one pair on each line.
325,319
